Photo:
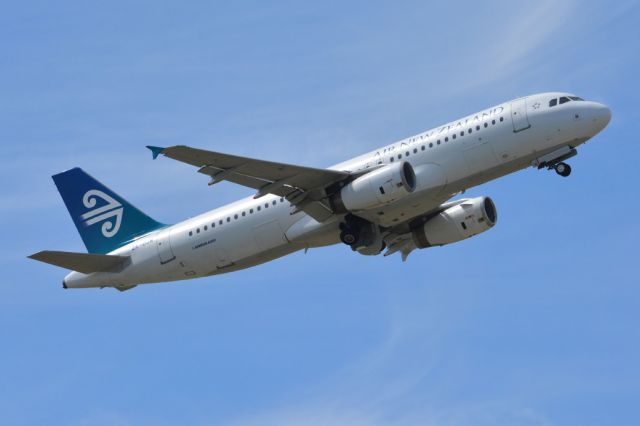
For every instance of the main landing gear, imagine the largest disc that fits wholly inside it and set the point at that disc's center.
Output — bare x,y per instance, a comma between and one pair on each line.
361,235
563,169
348,235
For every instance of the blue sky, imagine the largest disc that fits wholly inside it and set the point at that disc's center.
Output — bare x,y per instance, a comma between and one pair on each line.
532,323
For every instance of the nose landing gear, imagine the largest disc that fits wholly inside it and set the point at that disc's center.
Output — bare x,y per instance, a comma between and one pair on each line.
563,169
555,160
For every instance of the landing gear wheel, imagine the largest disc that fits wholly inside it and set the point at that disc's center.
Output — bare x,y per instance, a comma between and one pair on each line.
563,169
348,237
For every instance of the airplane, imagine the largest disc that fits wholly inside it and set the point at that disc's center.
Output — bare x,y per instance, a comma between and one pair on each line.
395,199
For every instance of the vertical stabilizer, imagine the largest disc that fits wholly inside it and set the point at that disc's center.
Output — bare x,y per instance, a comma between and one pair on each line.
104,220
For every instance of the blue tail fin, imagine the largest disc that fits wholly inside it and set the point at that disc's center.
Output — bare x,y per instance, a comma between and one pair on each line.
104,220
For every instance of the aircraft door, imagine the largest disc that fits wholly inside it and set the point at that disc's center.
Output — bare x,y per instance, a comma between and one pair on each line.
163,244
519,115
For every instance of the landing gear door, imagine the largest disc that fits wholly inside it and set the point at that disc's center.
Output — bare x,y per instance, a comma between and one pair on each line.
519,115
163,244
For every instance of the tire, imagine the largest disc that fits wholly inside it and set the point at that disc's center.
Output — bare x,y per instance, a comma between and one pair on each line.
563,169
348,237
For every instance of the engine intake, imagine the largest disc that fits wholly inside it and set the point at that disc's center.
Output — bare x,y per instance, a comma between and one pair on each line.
469,218
377,188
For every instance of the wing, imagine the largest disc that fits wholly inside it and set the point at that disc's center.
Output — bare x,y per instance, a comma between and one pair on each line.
303,186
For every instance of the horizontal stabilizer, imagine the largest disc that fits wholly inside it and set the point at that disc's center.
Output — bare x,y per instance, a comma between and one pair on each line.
86,263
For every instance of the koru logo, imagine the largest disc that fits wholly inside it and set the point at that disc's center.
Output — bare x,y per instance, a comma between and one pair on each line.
112,209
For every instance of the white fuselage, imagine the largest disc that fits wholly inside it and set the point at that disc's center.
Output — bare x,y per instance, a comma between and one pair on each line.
447,160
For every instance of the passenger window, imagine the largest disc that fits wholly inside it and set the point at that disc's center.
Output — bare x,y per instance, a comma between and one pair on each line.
431,144
399,156
220,222
486,125
422,147
469,131
259,208
553,102
391,159
235,216
206,227
274,202
415,150
266,205
564,100
462,133
213,225
282,199
197,230
406,153
501,119
229,219
493,121
250,211
190,233
244,214
445,139
477,127
454,136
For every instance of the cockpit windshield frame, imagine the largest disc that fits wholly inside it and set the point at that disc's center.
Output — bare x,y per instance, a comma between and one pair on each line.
563,100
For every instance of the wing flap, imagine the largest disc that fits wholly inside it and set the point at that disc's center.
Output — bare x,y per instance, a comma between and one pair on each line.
86,263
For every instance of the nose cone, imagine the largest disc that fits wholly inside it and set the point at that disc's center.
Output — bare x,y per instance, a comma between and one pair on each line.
600,117
604,113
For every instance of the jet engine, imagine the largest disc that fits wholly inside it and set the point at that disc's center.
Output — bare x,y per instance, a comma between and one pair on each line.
381,186
456,223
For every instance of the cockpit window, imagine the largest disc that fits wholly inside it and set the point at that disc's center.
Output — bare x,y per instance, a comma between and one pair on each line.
564,100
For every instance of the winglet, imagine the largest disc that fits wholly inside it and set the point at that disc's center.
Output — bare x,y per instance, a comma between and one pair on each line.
155,150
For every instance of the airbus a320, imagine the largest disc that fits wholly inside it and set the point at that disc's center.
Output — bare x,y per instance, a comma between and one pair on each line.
395,199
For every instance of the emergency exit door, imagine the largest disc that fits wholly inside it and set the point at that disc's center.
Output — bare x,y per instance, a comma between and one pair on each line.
519,115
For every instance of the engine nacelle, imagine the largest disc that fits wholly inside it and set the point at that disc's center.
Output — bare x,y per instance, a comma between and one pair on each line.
376,188
456,223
